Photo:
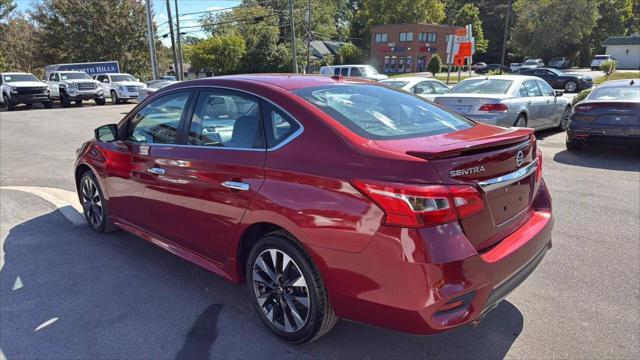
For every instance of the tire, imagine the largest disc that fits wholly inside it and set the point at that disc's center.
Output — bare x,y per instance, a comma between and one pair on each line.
96,208
79,102
29,104
64,99
521,121
573,145
279,294
48,104
571,86
564,121
114,97
7,103
100,101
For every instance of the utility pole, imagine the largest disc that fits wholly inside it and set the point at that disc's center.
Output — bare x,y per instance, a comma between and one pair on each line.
173,43
293,38
309,39
504,40
152,44
179,44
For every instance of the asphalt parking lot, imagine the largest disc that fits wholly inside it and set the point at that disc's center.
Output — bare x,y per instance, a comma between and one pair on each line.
68,293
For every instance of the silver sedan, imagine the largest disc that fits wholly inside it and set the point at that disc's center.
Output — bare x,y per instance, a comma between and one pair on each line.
509,100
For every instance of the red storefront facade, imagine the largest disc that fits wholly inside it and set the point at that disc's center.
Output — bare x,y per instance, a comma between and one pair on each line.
406,48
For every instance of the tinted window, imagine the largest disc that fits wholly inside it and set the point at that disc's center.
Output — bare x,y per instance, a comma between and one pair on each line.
356,72
336,71
226,119
278,125
377,112
344,71
440,88
482,86
158,121
53,77
532,88
546,89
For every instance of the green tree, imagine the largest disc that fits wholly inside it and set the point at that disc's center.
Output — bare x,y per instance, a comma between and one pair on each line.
350,54
6,8
470,14
547,28
435,64
220,53
93,30
18,46
611,21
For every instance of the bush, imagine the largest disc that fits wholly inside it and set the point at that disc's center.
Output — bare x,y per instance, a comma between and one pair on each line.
581,95
434,64
609,67
350,54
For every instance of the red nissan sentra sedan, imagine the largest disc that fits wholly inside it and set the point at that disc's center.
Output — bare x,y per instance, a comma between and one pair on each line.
331,198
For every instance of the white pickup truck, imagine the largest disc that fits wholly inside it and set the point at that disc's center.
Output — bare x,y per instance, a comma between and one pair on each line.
74,86
23,88
121,87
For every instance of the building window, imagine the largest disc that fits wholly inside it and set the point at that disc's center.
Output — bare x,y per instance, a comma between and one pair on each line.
381,38
422,37
432,37
406,36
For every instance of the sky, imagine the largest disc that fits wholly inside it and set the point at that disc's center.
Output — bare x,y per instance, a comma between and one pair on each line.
185,7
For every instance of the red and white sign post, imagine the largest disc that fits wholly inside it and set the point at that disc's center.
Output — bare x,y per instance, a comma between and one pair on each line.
460,47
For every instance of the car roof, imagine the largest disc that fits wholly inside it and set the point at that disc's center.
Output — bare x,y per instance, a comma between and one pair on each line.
284,81
410,79
621,82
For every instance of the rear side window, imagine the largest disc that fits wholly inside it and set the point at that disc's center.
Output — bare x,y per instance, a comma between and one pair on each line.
380,113
356,72
228,119
546,89
482,86
158,121
278,125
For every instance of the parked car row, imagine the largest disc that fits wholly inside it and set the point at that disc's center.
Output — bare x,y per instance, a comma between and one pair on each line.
67,86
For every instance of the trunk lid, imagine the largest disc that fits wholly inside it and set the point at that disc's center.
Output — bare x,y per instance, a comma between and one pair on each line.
480,156
468,104
622,113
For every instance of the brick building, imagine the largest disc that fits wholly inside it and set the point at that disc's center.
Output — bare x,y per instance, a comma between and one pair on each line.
408,47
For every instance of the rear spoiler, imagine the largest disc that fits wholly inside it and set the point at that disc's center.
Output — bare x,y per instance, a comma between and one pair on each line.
472,148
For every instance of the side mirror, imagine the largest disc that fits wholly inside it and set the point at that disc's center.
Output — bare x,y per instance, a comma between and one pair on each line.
137,79
105,80
106,133
558,93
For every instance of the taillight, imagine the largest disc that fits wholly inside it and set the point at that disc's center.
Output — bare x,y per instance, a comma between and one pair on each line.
494,108
421,205
584,107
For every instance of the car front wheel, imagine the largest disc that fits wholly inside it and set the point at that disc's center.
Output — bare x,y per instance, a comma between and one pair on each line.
288,291
570,86
94,205
7,103
114,98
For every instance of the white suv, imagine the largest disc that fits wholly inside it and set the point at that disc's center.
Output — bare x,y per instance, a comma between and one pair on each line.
363,71
23,88
121,87
598,60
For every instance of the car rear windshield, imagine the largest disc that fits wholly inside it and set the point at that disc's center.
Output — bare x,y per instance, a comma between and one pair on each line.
482,86
19,77
380,113
394,83
531,62
601,57
625,93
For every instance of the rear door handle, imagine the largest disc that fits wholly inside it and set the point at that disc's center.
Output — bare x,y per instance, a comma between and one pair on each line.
236,185
156,170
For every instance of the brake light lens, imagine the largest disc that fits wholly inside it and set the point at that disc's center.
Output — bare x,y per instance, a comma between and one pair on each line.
583,108
421,205
494,108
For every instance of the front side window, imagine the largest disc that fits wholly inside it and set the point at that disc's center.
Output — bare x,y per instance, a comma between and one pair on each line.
424,87
53,77
440,88
381,113
226,119
356,71
532,88
344,71
482,86
546,89
158,121
122,77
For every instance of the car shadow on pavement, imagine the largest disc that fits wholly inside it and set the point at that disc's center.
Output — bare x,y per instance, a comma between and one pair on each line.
118,296
602,156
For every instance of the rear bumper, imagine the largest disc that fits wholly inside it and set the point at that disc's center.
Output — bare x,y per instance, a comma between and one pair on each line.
606,133
433,280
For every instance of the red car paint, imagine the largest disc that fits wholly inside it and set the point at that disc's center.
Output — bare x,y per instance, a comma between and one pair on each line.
423,279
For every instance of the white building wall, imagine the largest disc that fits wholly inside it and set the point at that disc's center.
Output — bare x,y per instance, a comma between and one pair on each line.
628,56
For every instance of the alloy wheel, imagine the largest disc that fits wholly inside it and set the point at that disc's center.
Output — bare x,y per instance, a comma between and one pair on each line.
570,86
281,290
521,121
114,97
92,203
